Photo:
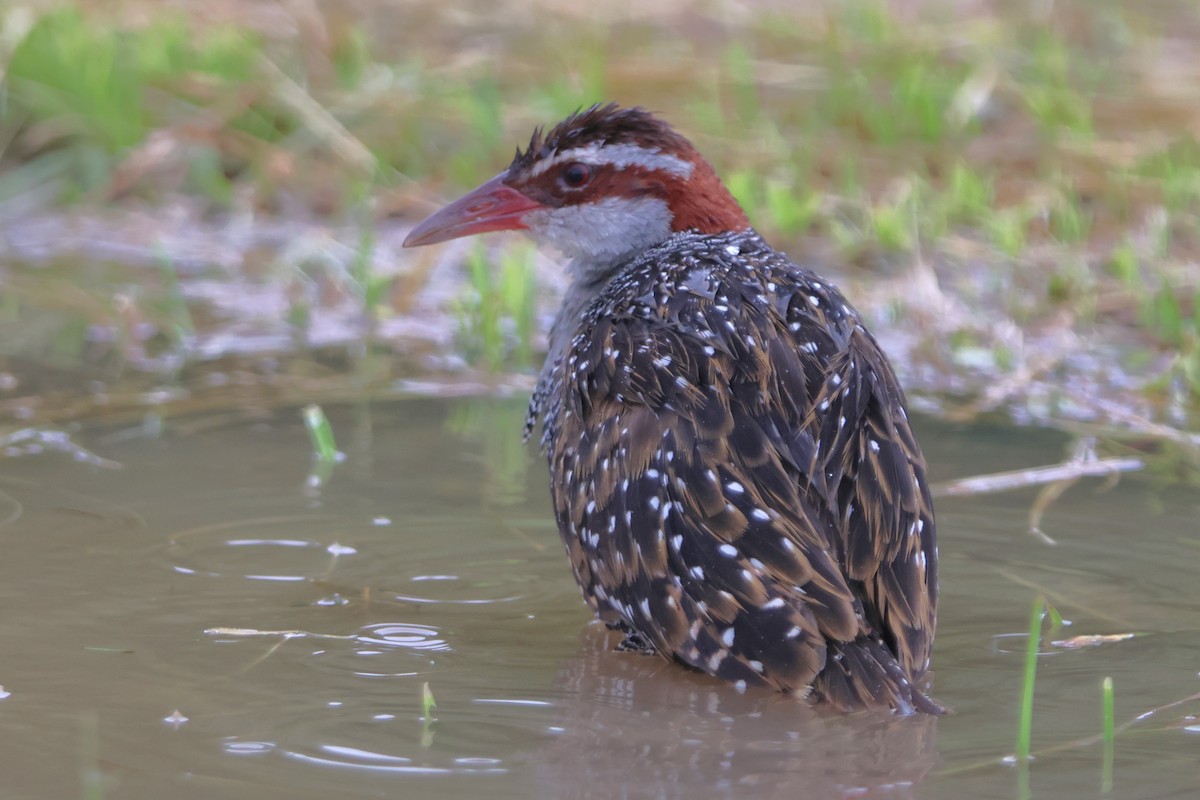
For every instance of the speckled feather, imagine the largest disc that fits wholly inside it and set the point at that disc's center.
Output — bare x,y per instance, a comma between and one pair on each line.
735,478
601,124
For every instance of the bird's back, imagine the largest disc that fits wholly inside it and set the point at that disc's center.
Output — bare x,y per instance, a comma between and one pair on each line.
734,475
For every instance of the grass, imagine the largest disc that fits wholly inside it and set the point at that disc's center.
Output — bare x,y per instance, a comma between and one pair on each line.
182,328
326,456
1033,642
93,95
1109,734
428,703
1023,754
320,433
497,312
1037,161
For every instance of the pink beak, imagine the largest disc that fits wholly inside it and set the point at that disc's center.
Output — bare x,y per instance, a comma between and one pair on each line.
494,206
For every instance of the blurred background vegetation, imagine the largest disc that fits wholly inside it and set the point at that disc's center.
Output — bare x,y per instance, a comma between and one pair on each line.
201,204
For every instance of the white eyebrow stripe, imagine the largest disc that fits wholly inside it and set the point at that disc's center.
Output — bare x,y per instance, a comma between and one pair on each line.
620,156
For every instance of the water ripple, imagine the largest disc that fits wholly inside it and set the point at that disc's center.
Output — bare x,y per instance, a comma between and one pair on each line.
385,650
264,549
414,637
377,762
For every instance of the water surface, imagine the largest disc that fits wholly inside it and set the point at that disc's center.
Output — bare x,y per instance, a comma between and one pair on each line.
205,622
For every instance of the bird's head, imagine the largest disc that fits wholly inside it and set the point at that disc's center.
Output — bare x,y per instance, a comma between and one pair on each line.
601,186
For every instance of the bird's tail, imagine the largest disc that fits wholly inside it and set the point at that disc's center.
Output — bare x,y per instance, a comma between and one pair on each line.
865,674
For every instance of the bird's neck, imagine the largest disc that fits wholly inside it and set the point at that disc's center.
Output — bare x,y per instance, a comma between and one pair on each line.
588,279
700,204
703,203
610,232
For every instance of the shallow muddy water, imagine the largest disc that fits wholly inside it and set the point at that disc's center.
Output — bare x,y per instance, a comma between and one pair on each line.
205,622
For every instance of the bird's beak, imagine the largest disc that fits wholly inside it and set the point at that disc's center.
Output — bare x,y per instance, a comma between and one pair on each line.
494,206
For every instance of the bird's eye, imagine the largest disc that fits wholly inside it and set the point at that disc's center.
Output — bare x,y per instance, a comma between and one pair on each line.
576,175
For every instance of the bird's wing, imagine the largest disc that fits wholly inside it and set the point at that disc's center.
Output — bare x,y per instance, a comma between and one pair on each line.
718,487
887,520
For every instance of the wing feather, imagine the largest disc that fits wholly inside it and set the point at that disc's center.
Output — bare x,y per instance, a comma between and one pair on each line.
752,492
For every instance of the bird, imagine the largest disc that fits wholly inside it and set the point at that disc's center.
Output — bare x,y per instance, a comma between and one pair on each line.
732,468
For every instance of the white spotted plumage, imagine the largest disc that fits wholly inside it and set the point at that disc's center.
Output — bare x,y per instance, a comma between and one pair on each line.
733,470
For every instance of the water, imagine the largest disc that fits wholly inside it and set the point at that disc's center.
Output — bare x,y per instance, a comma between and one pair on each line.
206,623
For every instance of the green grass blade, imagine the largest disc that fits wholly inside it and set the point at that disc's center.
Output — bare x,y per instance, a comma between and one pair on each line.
320,432
1106,771
1025,726
182,324
428,703
427,718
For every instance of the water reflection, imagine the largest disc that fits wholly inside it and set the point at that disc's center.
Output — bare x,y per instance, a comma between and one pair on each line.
214,551
384,650
294,632
673,733
354,758
493,427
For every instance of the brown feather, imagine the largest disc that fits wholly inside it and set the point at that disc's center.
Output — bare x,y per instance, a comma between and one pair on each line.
733,471
738,484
